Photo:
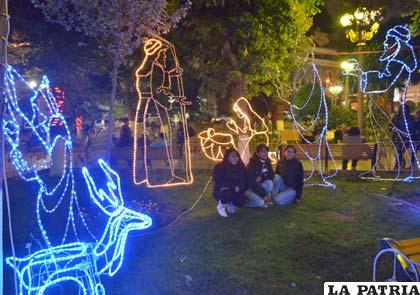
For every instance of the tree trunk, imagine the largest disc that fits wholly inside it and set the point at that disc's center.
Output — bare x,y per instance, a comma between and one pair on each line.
114,77
239,87
4,29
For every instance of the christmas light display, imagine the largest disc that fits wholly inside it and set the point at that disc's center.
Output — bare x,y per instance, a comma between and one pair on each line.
399,63
161,66
213,144
321,114
63,260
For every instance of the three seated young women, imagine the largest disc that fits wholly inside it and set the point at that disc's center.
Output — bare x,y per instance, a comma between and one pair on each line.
257,185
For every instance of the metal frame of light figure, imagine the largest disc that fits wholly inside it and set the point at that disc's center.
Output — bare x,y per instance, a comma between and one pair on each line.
397,65
156,60
322,110
78,262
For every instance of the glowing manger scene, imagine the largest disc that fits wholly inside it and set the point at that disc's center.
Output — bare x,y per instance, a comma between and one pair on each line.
209,147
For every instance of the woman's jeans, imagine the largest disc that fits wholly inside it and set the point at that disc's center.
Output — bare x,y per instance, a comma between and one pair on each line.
254,200
282,194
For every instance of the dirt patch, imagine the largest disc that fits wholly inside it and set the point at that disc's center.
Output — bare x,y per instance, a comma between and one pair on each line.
337,216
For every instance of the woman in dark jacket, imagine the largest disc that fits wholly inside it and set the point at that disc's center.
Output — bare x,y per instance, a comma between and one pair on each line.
260,178
229,178
290,185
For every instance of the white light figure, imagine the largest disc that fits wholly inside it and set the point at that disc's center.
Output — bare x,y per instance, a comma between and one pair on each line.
399,63
321,142
161,66
61,260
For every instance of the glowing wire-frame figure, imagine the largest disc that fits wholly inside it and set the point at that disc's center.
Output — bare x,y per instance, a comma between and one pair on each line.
400,62
322,140
42,112
77,262
155,62
213,144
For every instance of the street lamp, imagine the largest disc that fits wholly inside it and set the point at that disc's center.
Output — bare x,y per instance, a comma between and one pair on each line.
361,26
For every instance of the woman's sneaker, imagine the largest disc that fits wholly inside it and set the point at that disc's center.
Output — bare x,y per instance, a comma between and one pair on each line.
221,209
231,208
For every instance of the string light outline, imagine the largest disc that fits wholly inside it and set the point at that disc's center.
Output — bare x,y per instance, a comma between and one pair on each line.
390,60
316,80
245,127
115,233
158,46
212,148
42,132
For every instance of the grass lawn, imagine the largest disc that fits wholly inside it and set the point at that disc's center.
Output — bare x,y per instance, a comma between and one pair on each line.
333,236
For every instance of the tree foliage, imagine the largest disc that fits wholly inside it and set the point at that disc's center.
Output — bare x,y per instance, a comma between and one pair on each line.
235,48
117,25
415,25
70,60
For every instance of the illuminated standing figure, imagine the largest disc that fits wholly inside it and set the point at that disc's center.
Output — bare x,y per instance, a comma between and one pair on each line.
399,62
161,94
319,123
69,254
56,200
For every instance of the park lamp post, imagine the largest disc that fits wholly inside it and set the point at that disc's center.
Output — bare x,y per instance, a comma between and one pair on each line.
361,26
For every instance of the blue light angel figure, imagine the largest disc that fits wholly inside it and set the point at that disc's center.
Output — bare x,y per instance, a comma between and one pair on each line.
318,143
65,258
56,198
399,63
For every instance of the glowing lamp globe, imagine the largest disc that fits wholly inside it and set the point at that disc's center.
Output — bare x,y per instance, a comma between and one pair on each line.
336,89
346,20
347,66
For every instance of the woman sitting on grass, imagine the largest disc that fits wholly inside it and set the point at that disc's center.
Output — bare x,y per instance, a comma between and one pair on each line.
229,179
260,178
290,183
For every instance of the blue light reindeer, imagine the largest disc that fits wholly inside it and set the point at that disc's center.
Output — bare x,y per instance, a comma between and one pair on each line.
80,262
62,261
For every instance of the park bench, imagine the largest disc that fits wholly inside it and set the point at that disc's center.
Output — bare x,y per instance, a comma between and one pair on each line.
360,151
353,151
406,258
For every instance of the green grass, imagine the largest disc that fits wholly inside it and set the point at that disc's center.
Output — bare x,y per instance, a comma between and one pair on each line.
333,236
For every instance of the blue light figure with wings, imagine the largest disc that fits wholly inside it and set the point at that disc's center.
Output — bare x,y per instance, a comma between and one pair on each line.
65,258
